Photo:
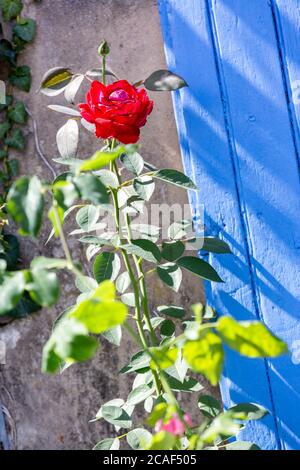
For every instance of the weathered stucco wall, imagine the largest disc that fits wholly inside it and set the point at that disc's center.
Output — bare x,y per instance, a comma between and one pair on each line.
54,412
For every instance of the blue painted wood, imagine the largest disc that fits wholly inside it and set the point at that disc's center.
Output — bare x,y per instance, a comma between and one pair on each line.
239,134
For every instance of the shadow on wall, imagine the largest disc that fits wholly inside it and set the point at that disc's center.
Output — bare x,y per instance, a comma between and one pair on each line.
239,139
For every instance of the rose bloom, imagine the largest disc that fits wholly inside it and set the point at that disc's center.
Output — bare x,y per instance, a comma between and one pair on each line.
175,426
118,110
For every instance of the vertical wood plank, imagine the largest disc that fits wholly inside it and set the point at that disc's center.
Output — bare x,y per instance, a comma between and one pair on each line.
237,142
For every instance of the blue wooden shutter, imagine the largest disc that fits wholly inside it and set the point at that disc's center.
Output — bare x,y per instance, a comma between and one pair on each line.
238,125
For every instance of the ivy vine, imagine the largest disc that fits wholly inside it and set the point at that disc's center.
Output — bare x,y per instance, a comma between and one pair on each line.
16,32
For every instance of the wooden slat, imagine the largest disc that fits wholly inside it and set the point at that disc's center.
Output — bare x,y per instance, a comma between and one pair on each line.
239,144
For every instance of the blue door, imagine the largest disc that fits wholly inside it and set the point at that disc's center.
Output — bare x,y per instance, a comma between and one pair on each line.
238,125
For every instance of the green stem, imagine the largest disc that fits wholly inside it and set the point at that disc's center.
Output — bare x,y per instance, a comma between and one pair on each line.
103,69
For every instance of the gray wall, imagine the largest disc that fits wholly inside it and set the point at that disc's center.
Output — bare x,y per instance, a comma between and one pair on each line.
54,412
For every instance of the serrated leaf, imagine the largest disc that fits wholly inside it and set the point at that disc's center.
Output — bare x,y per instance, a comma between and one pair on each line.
91,189
180,229
133,162
139,394
116,416
209,406
139,438
56,80
144,249
171,251
215,245
250,338
72,88
64,110
108,444
164,80
199,267
144,187
175,177
67,139
113,335
106,266
242,445
87,217
172,311
247,411
170,274
123,282
140,360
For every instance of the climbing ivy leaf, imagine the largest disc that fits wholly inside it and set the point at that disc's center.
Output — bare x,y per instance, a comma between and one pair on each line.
25,204
18,113
25,29
21,78
11,9
16,140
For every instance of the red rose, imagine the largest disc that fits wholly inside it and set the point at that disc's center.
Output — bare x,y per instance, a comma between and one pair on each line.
118,110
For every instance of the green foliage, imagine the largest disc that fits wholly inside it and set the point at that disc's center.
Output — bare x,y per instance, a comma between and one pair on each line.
173,344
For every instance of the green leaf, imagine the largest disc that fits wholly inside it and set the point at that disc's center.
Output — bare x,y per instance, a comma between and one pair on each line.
101,159
18,113
2,92
171,275
91,189
189,385
242,445
41,262
113,335
180,229
108,178
25,29
164,357
55,80
11,251
72,88
162,441
4,128
67,139
175,177
172,250
209,406
16,140
106,266
24,307
133,162
222,427
167,328
144,187
144,249
64,110
65,194
148,232
139,394
171,311
87,217
139,438
21,78
128,299
99,316
215,245
164,80
12,286
247,411
85,284
251,339
205,355
44,288
11,9
69,342
116,416
108,444
123,282
199,267
25,204
139,361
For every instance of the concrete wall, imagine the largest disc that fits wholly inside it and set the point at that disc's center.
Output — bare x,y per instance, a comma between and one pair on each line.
54,412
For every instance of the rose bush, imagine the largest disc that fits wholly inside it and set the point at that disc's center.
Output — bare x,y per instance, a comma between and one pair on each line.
114,297
118,110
